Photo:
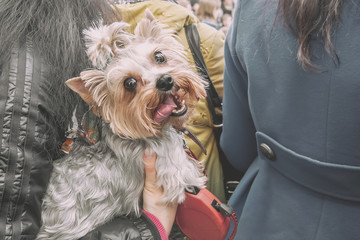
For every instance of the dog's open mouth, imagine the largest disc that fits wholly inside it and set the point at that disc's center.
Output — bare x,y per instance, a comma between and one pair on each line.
172,106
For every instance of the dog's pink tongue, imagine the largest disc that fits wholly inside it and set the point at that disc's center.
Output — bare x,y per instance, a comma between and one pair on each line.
164,110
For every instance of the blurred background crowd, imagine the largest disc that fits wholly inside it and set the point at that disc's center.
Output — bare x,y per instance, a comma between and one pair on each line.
216,13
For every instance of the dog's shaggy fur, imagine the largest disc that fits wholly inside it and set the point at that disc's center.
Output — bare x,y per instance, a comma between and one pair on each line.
142,88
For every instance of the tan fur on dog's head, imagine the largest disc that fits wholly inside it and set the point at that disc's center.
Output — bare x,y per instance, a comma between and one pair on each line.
102,42
142,78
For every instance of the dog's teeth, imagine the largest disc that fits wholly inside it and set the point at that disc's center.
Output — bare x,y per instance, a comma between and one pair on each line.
181,92
180,109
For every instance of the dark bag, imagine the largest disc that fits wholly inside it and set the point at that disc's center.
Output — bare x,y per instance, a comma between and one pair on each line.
231,175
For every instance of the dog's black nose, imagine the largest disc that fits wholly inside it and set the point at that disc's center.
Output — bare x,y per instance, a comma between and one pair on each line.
165,83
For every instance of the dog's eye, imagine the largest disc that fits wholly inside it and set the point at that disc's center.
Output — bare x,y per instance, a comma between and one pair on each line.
159,57
130,84
119,44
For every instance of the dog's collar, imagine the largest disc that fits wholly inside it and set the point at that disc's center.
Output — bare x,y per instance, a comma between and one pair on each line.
90,133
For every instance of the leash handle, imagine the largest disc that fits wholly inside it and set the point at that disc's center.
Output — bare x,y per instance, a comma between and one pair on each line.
228,212
233,217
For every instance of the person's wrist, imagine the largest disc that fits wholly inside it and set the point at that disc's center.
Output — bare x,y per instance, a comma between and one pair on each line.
165,213
152,194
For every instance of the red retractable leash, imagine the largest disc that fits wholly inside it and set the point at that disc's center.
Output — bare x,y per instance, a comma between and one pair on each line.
202,216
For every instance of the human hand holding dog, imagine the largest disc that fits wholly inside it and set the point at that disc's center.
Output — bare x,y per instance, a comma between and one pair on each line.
152,194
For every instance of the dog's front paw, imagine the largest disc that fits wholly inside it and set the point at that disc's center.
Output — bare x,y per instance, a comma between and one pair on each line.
175,185
175,195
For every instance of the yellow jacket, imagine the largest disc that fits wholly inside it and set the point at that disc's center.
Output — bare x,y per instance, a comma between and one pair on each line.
212,43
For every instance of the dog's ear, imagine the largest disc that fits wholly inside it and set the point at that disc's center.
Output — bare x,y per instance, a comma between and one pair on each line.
104,41
150,28
85,85
148,14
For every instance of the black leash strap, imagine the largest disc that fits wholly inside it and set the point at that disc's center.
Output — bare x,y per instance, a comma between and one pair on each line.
232,176
214,101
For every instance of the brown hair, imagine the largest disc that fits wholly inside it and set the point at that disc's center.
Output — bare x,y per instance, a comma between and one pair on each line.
304,17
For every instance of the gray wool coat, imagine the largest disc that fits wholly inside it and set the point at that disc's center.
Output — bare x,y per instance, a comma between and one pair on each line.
295,133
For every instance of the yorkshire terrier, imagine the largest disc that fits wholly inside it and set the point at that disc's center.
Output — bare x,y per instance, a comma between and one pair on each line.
143,88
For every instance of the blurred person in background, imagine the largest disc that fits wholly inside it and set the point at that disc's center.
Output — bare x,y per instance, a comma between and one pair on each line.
194,5
209,12
291,118
227,7
185,4
226,20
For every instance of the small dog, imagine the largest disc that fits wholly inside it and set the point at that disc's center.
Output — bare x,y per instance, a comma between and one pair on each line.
144,89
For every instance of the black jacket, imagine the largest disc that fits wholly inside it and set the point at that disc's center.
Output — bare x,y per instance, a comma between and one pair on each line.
27,141
125,228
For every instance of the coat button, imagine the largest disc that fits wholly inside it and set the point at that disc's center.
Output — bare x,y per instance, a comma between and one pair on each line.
267,151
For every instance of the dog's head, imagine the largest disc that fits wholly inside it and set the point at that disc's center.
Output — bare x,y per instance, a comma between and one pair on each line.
143,80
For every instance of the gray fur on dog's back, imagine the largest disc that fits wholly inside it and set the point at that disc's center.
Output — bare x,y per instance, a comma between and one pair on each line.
95,183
